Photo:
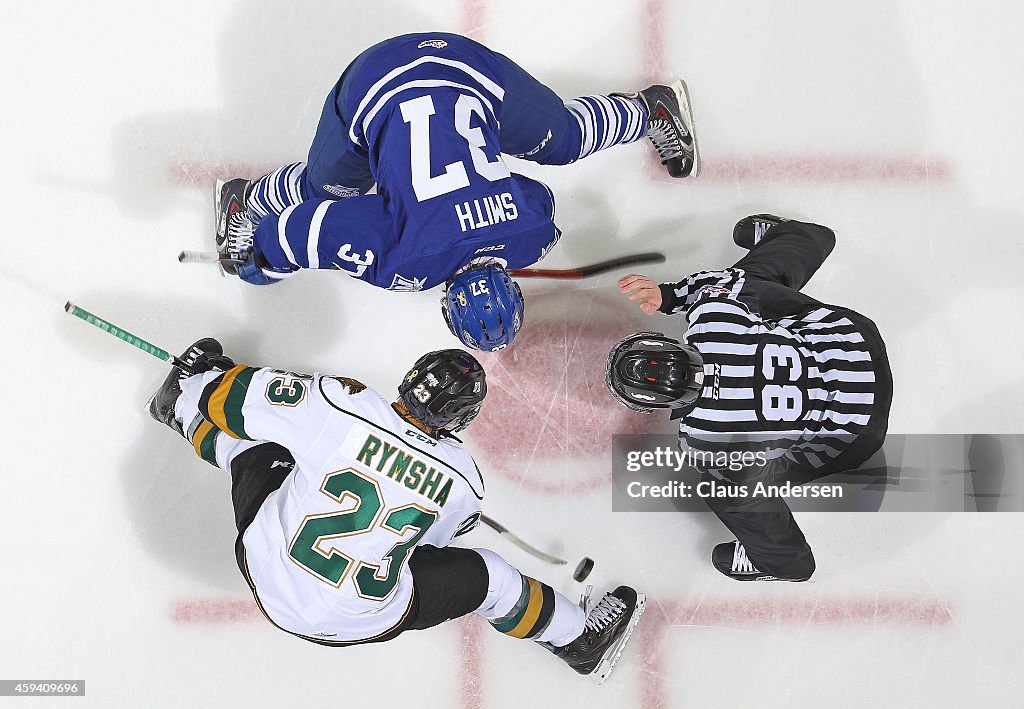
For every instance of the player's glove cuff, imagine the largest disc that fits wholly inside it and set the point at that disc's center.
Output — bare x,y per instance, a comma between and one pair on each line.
208,361
256,271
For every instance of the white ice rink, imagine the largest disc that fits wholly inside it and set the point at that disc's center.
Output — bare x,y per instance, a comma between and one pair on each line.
897,123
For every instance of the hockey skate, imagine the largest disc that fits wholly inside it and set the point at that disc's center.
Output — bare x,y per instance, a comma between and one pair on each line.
161,404
670,127
731,559
750,230
608,627
234,226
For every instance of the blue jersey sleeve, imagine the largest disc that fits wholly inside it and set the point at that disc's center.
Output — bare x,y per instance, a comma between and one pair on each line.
355,235
426,115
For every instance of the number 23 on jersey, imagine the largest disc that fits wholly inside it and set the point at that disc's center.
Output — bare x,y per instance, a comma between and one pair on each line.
315,545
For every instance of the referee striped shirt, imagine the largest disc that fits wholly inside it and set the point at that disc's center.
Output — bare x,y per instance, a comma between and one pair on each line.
800,388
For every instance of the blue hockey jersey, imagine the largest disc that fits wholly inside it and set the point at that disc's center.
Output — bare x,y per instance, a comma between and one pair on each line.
426,117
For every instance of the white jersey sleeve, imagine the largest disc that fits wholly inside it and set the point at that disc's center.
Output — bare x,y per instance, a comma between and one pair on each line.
262,404
327,554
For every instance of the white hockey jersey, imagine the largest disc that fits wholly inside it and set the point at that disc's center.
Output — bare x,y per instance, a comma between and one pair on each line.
327,554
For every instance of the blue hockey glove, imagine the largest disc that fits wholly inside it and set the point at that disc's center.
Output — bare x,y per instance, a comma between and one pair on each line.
254,270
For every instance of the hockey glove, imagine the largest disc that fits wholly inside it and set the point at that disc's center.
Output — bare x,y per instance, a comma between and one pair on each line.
254,269
208,361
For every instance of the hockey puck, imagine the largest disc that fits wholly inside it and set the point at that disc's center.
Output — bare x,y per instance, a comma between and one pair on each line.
583,569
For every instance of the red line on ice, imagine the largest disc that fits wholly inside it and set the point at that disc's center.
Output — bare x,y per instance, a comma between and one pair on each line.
662,617
471,658
898,610
652,19
216,611
474,15
826,168
791,168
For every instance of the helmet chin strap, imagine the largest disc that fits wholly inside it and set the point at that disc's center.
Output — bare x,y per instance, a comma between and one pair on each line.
438,433
399,406
681,411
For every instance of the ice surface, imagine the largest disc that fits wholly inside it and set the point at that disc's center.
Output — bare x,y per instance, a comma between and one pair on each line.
897,123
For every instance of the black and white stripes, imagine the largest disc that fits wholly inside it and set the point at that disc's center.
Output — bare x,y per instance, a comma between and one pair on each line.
803,387
606,121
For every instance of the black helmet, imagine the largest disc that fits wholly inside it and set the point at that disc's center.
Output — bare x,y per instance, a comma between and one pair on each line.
648,371
444,389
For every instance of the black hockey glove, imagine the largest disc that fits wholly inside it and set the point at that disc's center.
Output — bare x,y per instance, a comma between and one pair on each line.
208,361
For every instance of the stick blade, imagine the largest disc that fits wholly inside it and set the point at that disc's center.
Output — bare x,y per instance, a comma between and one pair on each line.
622,262
198,257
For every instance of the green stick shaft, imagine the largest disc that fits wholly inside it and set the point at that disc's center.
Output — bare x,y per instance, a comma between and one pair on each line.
123,334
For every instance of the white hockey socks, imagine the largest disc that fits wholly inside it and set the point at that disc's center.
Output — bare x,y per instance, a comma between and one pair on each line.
275,192
605,121
523,607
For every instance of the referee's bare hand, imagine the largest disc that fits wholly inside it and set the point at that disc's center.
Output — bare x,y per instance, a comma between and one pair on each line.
643,289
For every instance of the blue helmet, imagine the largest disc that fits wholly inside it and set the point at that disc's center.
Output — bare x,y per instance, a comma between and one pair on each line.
483,307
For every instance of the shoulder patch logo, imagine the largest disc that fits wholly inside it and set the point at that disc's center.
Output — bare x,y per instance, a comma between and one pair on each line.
409,285
354,386
435,43
544,252
713,291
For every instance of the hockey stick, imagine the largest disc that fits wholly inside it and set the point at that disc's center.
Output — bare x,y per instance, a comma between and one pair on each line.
531,550
160,353
594,269
128,337
202,257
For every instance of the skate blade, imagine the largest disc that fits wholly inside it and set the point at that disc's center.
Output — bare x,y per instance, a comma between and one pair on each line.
683,98
611,658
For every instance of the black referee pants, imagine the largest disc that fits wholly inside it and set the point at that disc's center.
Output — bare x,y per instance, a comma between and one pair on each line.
776,269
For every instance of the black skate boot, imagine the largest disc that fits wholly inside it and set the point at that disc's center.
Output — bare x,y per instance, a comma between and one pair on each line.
750,230
607,630
234,227
670,127
731,559
161,405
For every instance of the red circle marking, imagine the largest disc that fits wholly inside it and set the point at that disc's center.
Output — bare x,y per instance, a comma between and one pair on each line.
546,399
